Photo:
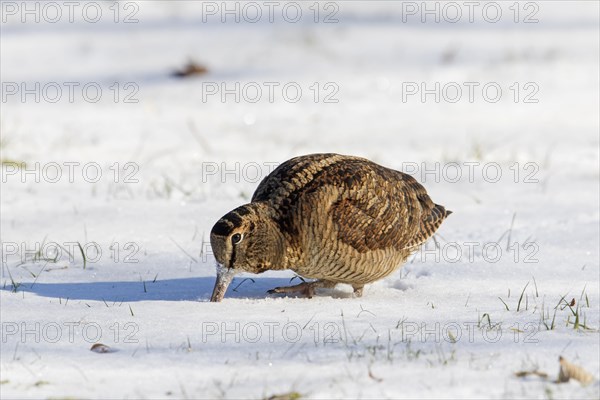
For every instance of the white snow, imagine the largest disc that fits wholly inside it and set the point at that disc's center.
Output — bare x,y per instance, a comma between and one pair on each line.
437,328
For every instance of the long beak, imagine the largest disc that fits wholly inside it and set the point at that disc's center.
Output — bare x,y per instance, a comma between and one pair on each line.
224,278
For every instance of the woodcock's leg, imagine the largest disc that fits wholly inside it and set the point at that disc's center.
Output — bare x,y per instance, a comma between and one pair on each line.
358,290
306,288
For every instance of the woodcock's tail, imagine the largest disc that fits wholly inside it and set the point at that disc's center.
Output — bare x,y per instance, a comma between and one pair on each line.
429,224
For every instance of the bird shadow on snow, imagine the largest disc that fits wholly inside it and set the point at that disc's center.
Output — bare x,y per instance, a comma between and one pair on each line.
190,289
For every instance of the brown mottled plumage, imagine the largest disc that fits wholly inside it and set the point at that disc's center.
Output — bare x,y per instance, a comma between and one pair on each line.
334,218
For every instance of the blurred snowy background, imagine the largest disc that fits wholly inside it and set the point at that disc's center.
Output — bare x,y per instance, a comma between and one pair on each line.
104,147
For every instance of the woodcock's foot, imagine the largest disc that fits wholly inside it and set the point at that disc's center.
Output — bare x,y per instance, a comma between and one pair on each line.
305,288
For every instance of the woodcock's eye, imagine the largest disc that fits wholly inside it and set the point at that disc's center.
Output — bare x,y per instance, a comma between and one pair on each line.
236,238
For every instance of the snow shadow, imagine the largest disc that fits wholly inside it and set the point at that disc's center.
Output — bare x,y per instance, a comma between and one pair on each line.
191,289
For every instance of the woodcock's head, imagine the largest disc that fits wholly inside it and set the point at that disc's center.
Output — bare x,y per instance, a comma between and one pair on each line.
245,239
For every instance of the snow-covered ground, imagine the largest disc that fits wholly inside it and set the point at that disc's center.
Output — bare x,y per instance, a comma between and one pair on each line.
141,183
